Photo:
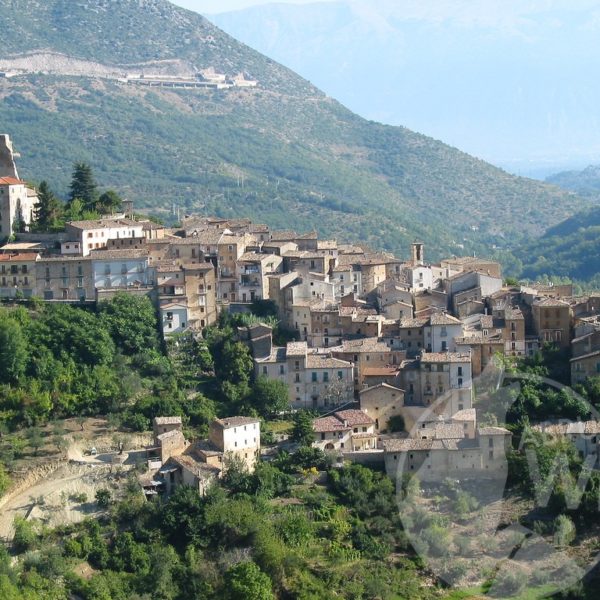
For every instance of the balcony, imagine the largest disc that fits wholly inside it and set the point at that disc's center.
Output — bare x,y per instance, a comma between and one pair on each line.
250,281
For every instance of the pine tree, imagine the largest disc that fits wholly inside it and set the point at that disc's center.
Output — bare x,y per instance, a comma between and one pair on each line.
109,202
19,225
48,209
83,186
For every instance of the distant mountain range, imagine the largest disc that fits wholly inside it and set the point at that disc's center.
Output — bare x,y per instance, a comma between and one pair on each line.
506,80
281,153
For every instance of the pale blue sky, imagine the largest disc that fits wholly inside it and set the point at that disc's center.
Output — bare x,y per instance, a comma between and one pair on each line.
218,6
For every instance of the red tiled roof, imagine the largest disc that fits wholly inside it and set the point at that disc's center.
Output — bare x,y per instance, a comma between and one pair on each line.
10,181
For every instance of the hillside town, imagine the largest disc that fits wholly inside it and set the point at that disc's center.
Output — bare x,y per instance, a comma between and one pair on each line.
378,339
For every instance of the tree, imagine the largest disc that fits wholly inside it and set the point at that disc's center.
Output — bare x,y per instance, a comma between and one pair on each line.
236,365
35,439
48,209
132,323
83,186
109,202
303,431
246,580
13,350
19,225
25,536
564,531
271,396
396,423
103,498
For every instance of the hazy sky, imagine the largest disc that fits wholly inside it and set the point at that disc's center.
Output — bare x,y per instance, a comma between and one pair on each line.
218,6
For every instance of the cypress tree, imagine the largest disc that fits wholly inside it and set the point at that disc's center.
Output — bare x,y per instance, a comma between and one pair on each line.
83,186
48,209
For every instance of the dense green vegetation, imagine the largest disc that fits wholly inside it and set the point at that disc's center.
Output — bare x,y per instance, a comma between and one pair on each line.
570,250
245,539
59,361
282,153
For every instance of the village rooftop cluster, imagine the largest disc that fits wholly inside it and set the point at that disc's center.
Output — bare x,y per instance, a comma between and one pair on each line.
378,338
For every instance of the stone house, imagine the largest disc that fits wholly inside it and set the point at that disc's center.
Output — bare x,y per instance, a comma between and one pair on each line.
198,465
449,448
552,321
380,403
345,430
367,353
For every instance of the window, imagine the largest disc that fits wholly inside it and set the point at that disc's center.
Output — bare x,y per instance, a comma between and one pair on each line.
314,377
281,370
265,371
340,374
325,377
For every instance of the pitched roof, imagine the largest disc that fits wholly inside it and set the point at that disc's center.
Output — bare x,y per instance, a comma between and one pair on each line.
228,422
354,417
442,318
199,469
379,386
342,421
104,223
493,431
167,420
468,414
451,357
10,181
331,423
320,361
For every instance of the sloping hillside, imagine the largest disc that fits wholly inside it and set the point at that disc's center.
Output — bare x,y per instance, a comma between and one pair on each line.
281,152
570,249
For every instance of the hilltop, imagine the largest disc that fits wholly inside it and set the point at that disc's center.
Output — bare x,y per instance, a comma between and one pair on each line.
282,152
585,182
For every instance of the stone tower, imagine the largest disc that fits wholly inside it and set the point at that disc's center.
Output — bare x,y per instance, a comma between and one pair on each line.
7,158
416,253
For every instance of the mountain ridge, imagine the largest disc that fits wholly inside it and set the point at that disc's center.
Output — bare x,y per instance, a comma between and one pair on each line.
283,152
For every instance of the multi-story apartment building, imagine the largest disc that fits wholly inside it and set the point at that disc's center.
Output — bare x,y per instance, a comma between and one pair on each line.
94,235
552,321
121,269
68,278
17,274
314,380
253,271
447,375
